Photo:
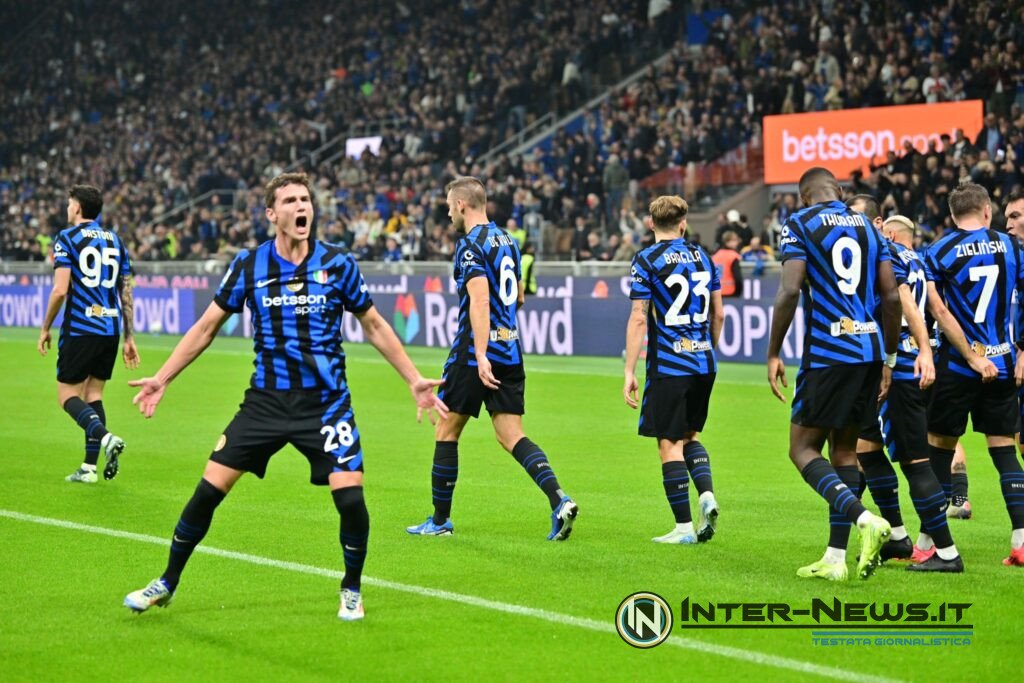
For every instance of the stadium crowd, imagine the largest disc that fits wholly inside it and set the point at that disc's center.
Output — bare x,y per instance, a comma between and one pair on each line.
219,109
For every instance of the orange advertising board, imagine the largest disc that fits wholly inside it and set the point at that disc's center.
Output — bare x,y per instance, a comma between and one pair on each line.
849,139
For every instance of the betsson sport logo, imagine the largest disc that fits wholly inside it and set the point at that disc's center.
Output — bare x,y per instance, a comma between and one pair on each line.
407,317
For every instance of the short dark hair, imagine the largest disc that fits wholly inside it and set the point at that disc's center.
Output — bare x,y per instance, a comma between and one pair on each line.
968,198
1015,196
667,210
280,181
469,189
871,207
89,198
814,179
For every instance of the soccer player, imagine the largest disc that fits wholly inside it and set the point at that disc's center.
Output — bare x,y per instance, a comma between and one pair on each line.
686,317
92,274
485,365
844,266
296,290
977,270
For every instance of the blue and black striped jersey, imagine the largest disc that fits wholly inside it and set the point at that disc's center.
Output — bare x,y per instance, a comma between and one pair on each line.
909,270
296,313
678,278
843,252
976,272
98,260
490,252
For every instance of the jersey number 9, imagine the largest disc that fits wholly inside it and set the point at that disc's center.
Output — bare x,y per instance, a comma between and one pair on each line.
848,275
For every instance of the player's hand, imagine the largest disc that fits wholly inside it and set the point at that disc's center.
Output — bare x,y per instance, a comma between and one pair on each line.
427,401
984,367
1018,372
130,354
883,386
483,368
44,342
924,367
776,374
630,389
151,390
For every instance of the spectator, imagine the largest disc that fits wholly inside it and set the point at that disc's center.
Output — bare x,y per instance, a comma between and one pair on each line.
727,261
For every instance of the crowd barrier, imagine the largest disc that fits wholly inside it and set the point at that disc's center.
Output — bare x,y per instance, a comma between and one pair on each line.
570,314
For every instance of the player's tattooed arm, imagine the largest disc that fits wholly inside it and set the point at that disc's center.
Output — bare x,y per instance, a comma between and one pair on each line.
127,306
717,317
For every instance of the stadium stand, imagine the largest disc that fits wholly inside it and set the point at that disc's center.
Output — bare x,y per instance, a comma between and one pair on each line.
218,110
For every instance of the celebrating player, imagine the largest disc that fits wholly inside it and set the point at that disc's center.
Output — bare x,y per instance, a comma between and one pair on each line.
485,365
92,272
682,328
845,266
296,290
977,269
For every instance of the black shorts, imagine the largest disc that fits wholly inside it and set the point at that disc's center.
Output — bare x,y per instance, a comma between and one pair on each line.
902,422
322,429
464,393
674,407
993,407
837,397
79,358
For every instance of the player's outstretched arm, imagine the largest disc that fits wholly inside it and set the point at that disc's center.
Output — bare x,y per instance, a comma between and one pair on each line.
636,328
955,335
61,281
384,339
129,352
924,366
480,322
793,273
195,341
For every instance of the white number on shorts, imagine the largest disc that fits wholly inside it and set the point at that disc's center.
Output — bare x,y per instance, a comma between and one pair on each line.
849,276
338,435
91,262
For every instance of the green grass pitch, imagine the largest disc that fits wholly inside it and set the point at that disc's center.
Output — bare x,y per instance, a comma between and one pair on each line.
496,600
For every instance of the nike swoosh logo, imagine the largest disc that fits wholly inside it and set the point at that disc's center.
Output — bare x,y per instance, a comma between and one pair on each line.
264,283
342,461
179,540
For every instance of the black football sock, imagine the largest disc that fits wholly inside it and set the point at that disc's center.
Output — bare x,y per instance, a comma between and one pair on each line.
942,460
677,489
1011,478
699,464
959,481
929,501
92,444
821,476
532,458
85,417
443,476
355,532
838,524
883,485
191,529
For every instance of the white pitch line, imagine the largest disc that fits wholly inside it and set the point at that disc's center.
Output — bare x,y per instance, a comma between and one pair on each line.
751,656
